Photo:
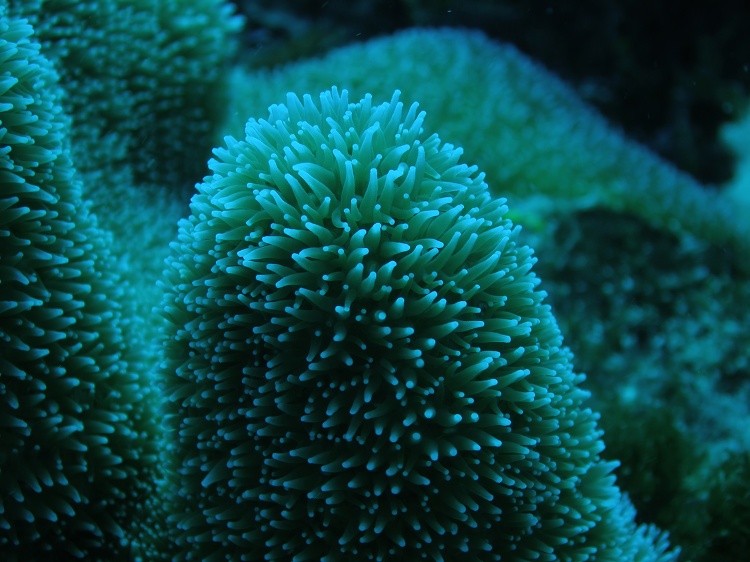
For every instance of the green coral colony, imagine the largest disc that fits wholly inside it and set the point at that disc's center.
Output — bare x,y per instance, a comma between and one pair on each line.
361,364
348,355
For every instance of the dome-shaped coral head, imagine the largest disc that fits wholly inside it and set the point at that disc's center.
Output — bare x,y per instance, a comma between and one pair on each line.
359,364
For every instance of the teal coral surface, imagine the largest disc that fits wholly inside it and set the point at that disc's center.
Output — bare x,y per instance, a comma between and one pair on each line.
339,345
361,365
74,457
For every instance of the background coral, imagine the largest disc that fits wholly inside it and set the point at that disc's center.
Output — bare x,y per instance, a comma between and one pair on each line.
76,449
139,80
660,327
532,135
670,87
139,77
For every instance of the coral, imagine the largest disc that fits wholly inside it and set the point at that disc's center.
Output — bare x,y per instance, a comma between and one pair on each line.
74,462
104,133
657,325
532,135
82,458
644,266
355,334
737,138
140,78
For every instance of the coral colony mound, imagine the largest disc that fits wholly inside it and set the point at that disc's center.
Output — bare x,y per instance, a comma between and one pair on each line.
360,364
